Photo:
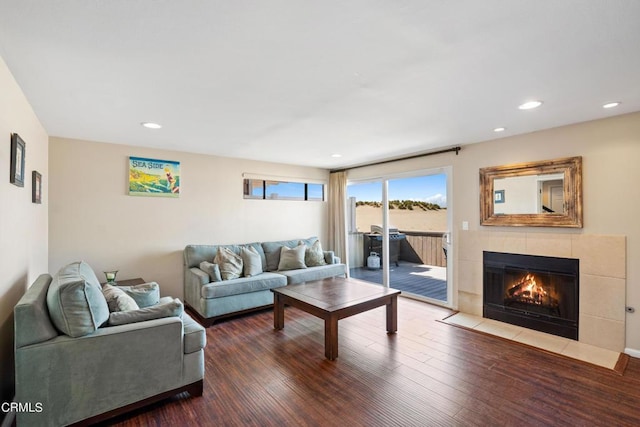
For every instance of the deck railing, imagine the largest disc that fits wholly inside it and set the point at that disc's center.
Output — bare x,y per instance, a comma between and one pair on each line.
421,247
425,247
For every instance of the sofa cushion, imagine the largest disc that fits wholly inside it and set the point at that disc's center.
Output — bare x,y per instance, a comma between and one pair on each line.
212,269
243,285
292,259
75,301
272,255
252,263
272,250
229,262
314,273
117,299
173,308
145,294
313,255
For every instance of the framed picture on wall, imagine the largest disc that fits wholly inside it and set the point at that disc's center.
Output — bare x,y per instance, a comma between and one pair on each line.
153,177
36,187
18,154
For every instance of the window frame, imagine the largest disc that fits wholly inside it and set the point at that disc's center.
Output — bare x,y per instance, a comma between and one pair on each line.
249,186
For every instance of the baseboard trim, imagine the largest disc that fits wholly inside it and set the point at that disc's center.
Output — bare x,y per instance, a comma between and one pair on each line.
632,352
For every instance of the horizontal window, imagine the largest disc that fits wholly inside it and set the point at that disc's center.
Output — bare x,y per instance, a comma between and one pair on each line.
315,192
253,189
282,190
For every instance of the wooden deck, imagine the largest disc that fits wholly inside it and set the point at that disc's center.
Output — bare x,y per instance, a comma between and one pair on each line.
417,279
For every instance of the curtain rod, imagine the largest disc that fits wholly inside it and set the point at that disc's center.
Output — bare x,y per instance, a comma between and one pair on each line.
415,156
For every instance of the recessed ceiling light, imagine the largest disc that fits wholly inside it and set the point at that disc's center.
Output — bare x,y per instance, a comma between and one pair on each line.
499,129
530,105
336,155
611,105
151,125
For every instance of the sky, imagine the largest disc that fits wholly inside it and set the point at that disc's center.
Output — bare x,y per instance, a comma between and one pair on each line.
430,188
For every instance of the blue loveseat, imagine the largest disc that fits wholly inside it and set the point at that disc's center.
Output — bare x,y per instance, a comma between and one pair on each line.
211,300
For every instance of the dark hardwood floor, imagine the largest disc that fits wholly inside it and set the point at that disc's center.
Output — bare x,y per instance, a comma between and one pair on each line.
428,374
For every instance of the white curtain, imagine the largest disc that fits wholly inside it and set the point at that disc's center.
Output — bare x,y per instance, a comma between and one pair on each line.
337,213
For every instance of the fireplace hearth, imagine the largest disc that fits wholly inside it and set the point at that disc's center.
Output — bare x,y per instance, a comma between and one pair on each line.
535,292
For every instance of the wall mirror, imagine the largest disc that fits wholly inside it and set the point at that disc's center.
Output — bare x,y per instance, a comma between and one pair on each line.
535,194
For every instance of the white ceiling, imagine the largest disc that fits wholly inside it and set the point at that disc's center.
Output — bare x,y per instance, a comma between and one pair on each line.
295,81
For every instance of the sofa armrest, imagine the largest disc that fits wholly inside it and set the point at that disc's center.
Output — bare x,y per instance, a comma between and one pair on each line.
331,258
198,276
101,371
194,280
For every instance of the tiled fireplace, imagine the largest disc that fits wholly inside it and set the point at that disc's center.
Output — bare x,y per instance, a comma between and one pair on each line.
536,292
601,278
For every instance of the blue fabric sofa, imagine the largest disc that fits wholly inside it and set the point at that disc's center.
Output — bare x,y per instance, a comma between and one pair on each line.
210,300
93,371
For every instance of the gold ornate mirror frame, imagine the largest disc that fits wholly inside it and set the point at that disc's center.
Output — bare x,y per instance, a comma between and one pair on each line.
571,216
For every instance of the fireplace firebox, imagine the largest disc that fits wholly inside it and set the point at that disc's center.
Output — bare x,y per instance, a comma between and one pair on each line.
535,292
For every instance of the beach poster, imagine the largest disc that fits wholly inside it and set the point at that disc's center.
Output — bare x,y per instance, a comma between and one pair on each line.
152,177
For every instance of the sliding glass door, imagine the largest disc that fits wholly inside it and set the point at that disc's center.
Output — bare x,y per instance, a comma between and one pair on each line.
364,211
399,233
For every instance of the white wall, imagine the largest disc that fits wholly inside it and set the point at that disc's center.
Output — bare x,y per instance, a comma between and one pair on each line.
611,151
23,225
93,218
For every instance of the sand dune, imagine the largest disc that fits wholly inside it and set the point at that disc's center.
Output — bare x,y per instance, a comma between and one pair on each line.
406,220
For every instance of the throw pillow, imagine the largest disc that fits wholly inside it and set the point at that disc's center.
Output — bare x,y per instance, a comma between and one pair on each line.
172,308
252,262
75,301
230,263
213,270
272,254
117,299
314,255
292,259
145,294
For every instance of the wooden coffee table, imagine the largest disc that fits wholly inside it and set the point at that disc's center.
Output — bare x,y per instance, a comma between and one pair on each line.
334,299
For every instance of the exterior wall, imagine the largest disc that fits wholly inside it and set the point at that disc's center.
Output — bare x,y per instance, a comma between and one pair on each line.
93,218
610,149
23,225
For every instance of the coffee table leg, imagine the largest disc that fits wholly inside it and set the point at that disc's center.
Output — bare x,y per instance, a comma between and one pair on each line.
392,315
278,312
331,337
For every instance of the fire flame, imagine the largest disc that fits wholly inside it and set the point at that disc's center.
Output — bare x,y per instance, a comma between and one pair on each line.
527,289
533,288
